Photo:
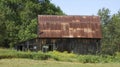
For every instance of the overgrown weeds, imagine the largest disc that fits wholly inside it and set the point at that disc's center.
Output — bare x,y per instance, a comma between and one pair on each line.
58,56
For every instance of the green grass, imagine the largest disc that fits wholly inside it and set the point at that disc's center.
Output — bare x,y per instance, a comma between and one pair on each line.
50,63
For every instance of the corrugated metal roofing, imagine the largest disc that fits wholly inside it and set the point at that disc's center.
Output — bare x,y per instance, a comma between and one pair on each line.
54,26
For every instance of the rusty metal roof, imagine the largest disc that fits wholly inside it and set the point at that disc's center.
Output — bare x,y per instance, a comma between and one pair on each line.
54,26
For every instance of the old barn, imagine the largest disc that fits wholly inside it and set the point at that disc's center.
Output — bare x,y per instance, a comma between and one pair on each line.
77,34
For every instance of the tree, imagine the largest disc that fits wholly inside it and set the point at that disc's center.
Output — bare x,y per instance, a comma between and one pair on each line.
18,20
2,32
104,14
114,29
105,18
110,31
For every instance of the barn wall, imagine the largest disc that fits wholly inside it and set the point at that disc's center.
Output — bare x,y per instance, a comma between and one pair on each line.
80,46
32,44
75,45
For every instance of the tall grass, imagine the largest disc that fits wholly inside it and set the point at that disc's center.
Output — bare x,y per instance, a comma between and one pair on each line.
58,56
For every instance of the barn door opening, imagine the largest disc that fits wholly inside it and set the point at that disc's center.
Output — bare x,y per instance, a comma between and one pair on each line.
50,48
20,48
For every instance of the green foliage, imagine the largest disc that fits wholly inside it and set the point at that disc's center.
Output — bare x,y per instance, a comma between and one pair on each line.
110,31
58,56
89,59
18,19
104,14
5,53
62,56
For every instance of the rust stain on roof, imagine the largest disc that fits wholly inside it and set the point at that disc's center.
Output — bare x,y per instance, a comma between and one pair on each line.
54,26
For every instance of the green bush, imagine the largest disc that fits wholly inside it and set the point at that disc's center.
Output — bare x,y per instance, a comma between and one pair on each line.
62,56
40,56
58,56
5,53
89,59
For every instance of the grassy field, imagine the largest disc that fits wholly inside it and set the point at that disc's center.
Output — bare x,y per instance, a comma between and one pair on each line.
50,63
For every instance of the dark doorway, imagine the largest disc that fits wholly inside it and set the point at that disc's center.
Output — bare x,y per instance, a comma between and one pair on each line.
20,48
50,48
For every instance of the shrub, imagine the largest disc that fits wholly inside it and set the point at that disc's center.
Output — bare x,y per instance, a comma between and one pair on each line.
58,56
62,56
89,59
5,53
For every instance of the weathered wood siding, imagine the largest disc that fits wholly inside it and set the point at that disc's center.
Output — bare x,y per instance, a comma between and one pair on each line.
75,45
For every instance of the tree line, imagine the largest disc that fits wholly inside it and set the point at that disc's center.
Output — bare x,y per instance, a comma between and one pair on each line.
18,19
110,31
